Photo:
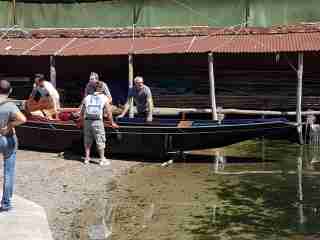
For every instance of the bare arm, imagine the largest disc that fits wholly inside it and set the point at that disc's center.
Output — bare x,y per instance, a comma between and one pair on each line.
81,112
19,119
125,110
107,113
150,109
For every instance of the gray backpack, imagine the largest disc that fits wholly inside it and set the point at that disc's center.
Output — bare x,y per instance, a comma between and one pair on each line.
94,108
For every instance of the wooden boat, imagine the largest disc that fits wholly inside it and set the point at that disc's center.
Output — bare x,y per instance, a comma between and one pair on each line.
149,139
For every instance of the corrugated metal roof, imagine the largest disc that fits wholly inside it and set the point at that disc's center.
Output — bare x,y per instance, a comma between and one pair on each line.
230,43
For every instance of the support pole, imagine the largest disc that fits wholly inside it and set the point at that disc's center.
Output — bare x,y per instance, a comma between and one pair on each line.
212,87
300,190
130,85
14,17
299,97
53,74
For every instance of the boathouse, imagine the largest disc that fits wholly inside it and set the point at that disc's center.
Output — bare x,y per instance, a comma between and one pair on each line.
255,48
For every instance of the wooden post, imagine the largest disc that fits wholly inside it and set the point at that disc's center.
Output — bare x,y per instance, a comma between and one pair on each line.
212,87
299,97
14,12
130,85
300,189
53,75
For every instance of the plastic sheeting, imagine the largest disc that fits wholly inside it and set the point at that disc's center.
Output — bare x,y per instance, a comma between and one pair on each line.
86,14
6,19
266,13
188,12
154,13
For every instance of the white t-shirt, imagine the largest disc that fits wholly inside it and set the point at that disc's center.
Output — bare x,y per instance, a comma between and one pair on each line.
51,90
94,105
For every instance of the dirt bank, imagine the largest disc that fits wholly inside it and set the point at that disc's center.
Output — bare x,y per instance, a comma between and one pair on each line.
66,188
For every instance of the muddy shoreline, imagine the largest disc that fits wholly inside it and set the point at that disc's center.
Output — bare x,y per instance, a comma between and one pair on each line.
67,189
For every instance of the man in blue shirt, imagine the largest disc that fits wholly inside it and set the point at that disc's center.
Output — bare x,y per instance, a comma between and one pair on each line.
142,97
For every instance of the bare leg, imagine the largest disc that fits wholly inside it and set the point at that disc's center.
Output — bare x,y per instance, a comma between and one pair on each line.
87,152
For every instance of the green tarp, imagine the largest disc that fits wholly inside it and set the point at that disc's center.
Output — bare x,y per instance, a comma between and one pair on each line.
6,19
188,12
266,13
97,14
154,13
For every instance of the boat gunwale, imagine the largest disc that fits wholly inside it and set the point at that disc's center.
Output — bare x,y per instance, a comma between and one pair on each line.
170,127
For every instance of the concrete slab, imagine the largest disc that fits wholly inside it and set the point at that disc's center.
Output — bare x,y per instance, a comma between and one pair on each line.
26,221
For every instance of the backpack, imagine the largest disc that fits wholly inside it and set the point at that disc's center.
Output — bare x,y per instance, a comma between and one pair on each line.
94,107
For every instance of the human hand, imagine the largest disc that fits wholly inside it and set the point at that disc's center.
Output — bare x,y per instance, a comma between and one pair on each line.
119,116
149,119
5,130
114,125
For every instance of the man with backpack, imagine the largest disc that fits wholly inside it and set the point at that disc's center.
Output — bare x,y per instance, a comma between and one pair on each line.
94,108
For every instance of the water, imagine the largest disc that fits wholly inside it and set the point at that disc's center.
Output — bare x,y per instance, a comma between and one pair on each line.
253,190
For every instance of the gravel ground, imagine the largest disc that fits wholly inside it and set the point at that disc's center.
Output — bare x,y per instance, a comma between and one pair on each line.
74,195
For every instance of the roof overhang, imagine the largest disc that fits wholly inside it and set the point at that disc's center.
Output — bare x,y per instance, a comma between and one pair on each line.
85,43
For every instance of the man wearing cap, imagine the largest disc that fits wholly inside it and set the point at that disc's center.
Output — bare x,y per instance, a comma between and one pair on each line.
94,108
142,97
10,117
91,85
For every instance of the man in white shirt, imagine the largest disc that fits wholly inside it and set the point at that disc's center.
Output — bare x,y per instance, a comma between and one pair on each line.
94,108
44,96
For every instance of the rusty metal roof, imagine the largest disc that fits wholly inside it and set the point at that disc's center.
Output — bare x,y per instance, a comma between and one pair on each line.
249,40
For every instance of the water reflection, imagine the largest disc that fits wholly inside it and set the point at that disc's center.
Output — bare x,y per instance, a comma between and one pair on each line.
255,190
261,203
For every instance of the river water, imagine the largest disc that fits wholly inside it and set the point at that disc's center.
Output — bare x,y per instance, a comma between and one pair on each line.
252,190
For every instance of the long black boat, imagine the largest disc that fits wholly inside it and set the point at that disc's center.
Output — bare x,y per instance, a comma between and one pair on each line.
135,137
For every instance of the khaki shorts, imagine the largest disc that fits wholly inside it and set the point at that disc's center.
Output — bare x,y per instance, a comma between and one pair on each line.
94,131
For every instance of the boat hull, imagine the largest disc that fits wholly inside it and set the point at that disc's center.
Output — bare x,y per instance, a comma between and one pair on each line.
148,139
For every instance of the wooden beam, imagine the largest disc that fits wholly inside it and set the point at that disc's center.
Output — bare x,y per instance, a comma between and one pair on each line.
14,12
53,75
175,111
212,87
130,84
299,96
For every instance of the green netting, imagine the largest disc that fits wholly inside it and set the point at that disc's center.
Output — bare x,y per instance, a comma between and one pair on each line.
151,13
188,12
98,14
68,1
266,13
6,18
